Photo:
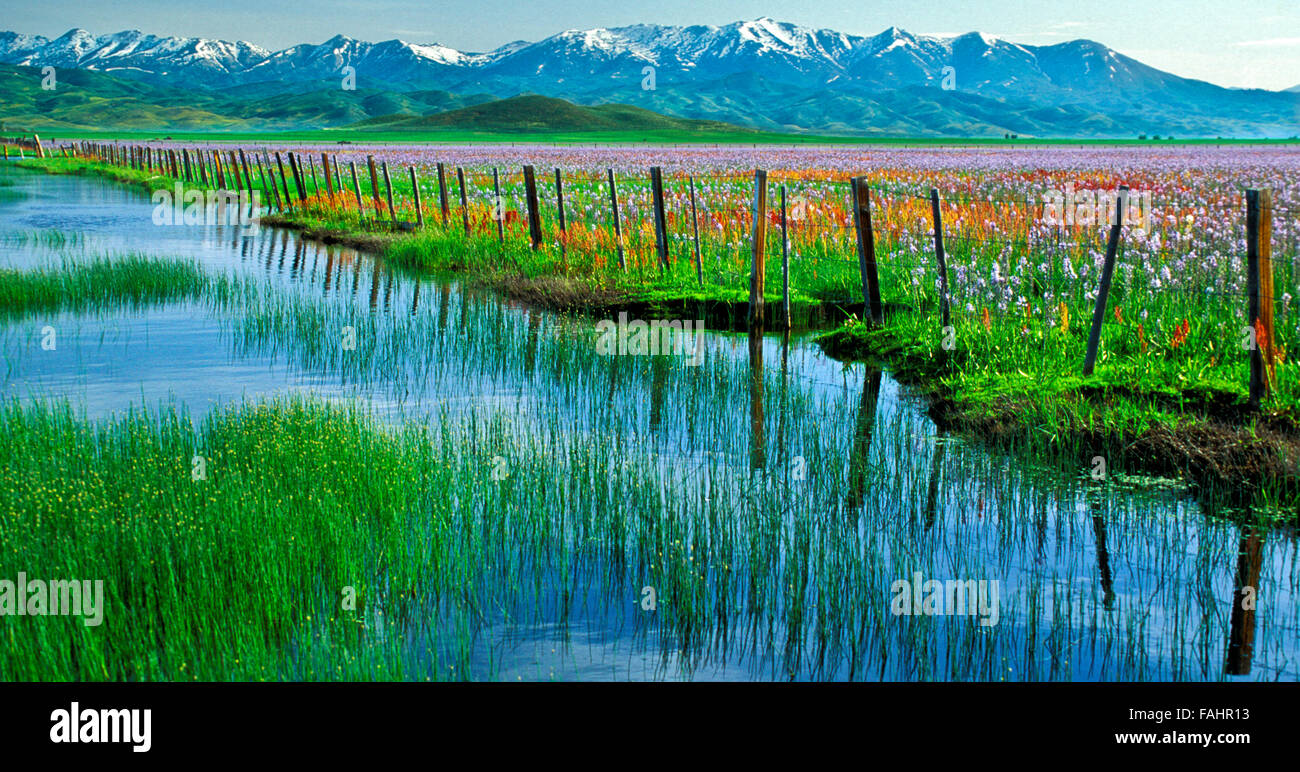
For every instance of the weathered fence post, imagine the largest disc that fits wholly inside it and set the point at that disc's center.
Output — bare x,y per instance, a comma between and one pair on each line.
415,190
464,198
284,181
559,203
661,226
374,183
618,228
329,182
940,256
388,188
1103,289
534,216
861,194
758,232
442,191
498,206
695,231
356,185
1259,288
785,263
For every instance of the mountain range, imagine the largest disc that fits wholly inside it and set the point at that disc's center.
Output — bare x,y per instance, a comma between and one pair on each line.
761,74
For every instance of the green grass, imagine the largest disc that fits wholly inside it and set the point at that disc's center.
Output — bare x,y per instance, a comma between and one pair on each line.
105,282
1019,374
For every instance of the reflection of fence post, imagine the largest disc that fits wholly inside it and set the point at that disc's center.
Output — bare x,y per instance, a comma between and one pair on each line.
661,227
861,196
939,254
1241,635
1103,289
618,228
534,216
758,268
695,231
1259,288
785,263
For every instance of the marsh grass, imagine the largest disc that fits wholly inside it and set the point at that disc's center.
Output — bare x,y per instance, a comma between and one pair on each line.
105,282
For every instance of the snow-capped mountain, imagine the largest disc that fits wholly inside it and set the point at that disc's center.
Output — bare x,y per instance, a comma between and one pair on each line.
761,73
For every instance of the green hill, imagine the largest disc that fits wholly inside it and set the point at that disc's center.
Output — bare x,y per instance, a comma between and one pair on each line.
84,99
531,112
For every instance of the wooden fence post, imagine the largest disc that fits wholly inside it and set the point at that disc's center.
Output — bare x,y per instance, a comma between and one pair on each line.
464,198
388,188
419,210
498,206
758,268
1103,289
534,216
284,181
618,228
939,254
442,191
1259,288
559,202
695,231
861,194
329,182
356,186
661,226
785,263
374,183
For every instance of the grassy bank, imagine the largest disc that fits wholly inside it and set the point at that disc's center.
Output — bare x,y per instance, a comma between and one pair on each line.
1168,394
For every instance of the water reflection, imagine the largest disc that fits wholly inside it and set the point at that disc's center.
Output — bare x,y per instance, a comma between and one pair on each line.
1100,581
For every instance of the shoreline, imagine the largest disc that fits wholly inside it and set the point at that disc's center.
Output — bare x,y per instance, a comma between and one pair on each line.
1204,436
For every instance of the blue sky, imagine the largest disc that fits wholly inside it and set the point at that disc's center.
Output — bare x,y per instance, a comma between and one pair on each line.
1247,43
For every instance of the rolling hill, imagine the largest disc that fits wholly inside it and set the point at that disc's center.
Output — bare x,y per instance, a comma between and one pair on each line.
532,112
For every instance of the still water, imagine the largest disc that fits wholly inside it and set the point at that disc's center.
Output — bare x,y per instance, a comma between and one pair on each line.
1123,581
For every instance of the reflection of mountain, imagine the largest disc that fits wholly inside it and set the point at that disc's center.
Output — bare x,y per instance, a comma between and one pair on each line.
765,74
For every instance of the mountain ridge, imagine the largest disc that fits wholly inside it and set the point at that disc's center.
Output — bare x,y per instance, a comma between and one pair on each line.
699,72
